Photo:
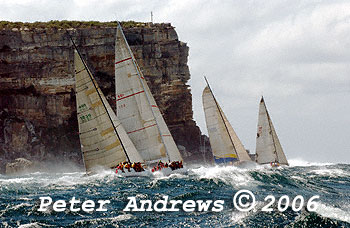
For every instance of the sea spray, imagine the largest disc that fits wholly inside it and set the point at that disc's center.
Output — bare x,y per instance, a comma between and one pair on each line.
19,197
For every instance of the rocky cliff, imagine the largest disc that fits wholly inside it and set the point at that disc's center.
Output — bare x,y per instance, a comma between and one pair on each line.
37,99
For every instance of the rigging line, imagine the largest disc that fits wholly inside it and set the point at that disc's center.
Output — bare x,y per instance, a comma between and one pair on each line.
143,86
217,105
91,78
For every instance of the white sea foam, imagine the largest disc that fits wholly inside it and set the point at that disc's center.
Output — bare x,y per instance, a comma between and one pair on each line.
228,174
161,176
300,162
342,214
238,216
298,178
330,172
16,180
158,176
25,198
95,221
15,207
64,180
122,217
168,173
33,225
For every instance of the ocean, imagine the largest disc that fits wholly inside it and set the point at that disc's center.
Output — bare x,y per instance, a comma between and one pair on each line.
19,197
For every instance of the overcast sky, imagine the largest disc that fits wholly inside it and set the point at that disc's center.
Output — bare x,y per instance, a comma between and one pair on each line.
295,53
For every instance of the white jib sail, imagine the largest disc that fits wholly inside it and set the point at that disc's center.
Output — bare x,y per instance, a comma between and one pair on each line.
137,109
99,130
224,142
268,147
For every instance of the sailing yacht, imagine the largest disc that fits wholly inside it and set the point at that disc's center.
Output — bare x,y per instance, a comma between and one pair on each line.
104,142
225,144
137,110
268,146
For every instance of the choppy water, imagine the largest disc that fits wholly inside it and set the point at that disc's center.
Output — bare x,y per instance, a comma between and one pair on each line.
19,197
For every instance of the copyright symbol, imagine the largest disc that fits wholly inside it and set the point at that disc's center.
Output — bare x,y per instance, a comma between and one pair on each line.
239,204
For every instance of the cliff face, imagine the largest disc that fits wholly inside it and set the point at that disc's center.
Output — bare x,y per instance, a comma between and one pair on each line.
37,99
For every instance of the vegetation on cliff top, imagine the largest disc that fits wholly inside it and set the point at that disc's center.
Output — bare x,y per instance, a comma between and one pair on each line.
67,24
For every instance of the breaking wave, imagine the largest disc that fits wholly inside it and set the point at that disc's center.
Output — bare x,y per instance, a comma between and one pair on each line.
19,196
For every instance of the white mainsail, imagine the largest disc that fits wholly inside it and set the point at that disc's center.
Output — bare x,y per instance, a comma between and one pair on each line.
224,141
268,146
103,139
137,109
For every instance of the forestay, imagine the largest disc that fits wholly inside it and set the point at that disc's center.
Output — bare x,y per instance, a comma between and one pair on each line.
268,146
102,137
137,109
224,141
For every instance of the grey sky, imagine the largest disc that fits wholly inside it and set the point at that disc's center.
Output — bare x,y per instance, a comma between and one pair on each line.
295,53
